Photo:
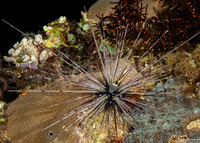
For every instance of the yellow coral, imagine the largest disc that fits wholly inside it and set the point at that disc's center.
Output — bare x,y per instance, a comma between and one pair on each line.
194,124
178,139
56,33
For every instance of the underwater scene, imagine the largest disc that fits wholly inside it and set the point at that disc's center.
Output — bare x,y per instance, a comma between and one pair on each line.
127,71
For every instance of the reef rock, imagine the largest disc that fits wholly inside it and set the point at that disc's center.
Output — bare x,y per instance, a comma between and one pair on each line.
104,7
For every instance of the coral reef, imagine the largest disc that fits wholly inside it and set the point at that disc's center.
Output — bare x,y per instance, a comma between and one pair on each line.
2,111
101,7
103,135
115,94
194,124
169,18
28,115
186,63
105,8
27,51
60,35
168,119
2,121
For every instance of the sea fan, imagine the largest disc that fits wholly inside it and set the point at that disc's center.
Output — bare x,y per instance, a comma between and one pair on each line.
90,100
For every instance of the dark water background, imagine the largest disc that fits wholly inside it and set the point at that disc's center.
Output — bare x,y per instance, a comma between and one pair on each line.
32,15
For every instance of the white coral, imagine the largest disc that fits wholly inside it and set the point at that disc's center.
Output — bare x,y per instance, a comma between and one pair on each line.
62,19
45,55
11,51
17,52
25,58
26,50
17,45
34,60
47,28
38,38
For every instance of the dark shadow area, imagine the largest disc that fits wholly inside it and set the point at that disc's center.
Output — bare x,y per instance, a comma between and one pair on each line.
31,16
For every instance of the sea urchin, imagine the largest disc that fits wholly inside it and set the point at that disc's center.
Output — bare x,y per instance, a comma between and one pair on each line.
90,99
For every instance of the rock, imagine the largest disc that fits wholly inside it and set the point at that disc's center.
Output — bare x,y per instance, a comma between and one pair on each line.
104,7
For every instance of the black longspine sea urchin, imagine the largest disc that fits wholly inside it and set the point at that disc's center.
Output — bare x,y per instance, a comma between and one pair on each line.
112,92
